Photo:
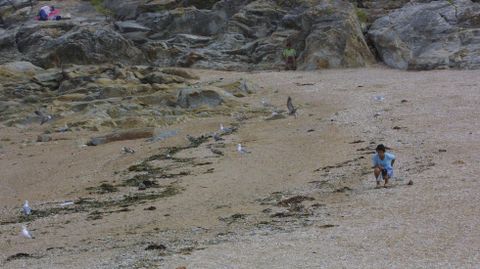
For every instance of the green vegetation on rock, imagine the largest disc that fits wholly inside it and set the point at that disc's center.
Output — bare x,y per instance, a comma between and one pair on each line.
100,7
362,15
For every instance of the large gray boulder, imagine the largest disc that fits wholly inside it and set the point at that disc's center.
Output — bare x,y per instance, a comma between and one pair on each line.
22,67
130,26
370,10
162,78
435,35
197,97
32,39
229,7
49,45
124,10
334,37
183,21
14,12
257,19
8,49
16,4
130,9
200,4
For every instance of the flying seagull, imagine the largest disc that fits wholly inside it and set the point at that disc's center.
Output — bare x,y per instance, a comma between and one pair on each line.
291,109
43,117
26,209
26,233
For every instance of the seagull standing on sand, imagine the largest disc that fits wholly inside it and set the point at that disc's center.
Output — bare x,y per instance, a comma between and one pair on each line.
244,86
225,130
63,129
266,103
291,109
43,117
26,209
128,150
26,233
216,137
241,149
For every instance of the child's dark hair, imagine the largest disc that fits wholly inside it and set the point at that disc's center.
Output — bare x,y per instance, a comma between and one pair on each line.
381,147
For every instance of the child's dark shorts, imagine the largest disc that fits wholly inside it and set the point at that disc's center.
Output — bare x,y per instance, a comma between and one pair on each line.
387,172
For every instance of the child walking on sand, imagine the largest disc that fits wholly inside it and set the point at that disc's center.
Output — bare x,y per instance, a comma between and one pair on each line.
383,164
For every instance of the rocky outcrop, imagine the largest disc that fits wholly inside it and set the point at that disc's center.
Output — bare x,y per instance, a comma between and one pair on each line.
245,35
106,96
15,11
370,10
161,78
56,43
435,35
130,26
334,38
197,97
15,4
8,48
123,10
22,67
183,21
130,9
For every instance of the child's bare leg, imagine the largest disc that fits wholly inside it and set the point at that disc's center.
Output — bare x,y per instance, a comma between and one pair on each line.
386,181
377,172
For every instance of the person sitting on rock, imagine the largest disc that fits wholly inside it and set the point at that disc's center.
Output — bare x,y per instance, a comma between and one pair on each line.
46,12
289,55
383,164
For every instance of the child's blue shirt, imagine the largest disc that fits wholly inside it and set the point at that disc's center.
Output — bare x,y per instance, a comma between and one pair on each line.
386,162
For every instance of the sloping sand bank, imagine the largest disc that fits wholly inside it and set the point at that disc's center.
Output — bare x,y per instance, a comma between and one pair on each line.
303,197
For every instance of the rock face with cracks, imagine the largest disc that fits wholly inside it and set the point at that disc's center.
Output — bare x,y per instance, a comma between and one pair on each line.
435,35
245,35
334,37
67,43
105,97
229,35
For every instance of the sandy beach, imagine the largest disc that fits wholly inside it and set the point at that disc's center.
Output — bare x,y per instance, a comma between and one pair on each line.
303,197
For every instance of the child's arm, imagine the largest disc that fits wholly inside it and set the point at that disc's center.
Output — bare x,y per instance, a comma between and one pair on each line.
393,161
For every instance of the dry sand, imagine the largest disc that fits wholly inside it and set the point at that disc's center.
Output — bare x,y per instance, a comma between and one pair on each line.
223,215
